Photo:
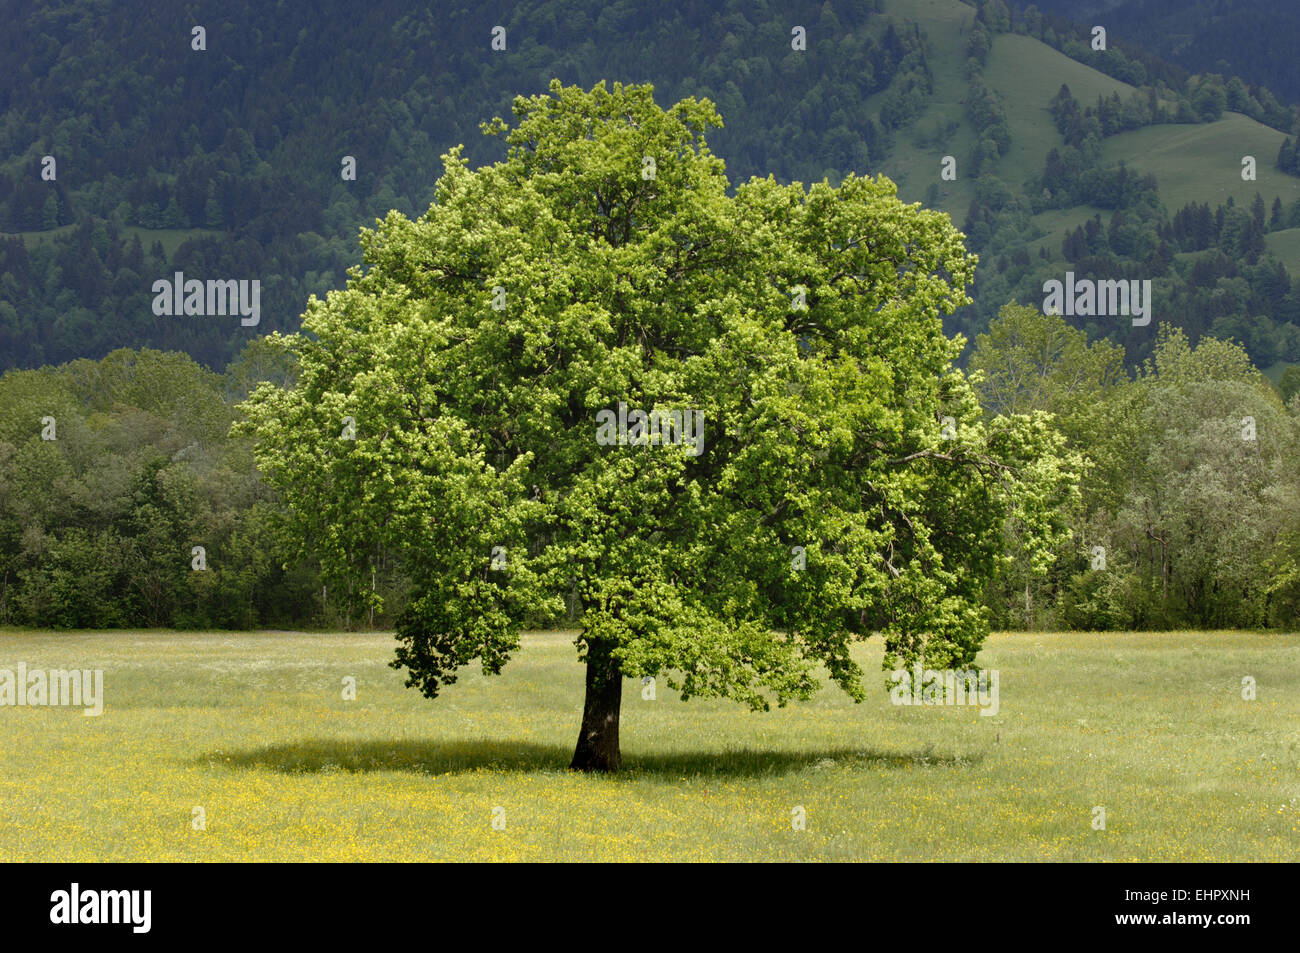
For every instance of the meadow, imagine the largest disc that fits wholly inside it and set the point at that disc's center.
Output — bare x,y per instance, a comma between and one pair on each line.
253,729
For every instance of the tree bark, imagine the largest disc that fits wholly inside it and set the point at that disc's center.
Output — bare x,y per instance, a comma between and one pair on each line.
598,739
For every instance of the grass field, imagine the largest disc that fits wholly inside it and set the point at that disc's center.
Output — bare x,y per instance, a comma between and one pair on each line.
253,729
1202,163
1285,244
171,238
915,159
1027,74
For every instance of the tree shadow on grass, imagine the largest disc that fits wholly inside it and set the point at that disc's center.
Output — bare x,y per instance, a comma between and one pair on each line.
323,756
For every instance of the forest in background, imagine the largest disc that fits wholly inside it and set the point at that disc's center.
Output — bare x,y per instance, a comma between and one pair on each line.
111,472
226,163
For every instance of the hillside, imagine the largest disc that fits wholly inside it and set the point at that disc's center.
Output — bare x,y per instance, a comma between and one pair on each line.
1202,163
227,160
1253,39
1026,73
1136,145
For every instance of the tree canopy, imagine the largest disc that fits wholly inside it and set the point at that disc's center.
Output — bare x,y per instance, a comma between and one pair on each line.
449,407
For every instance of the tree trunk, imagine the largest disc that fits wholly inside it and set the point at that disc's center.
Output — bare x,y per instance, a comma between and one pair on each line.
598,740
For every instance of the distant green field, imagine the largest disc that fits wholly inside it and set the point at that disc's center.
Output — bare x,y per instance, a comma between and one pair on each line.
171,238
1027,74
1057,221
1274,372
914,162
1285,244
1202,163
252,729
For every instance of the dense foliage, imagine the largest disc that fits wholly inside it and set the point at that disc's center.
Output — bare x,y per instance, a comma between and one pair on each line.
450,405
111,472
227,162
1190,508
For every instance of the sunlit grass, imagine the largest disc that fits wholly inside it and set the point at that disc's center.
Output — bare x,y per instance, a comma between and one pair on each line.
253,729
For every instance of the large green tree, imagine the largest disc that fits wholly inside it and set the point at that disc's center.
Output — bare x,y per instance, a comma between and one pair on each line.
836,479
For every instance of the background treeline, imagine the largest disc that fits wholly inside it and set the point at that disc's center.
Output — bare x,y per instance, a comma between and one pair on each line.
1174,94
1190,509
1253,39
1192,489
111,472
1208,267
